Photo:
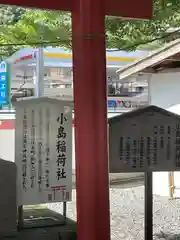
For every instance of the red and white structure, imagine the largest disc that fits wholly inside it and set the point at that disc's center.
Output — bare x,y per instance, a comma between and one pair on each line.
91,145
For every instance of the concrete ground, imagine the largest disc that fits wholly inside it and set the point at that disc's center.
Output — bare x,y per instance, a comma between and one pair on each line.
42,221
127,213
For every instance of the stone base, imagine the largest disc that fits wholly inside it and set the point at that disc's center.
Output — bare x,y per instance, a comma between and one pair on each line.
8,208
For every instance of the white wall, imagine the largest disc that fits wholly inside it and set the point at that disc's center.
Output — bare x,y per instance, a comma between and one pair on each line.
165,89
7,148
161,183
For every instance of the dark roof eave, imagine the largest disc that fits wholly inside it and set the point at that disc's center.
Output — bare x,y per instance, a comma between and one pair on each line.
140,111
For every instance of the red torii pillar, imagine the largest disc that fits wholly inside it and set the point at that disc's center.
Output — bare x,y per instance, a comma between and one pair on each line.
89,67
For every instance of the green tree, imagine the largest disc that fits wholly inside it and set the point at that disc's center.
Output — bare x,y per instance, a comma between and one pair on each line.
39,26
133,34
9,15
35,26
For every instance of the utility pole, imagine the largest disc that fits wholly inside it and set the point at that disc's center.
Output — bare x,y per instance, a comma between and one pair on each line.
39,88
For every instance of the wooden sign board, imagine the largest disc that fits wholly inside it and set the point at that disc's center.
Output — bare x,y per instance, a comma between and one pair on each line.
144,140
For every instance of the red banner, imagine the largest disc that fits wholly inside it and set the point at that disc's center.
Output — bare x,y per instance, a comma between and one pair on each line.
10,124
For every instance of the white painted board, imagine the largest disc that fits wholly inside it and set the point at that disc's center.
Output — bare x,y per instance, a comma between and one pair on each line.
43,153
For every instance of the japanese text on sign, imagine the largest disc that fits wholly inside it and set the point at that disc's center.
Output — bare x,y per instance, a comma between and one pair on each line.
33,151
24,152
40,151
3,83
61,148
47,159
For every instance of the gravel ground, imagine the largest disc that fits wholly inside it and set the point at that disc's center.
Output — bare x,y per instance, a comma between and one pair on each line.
127,214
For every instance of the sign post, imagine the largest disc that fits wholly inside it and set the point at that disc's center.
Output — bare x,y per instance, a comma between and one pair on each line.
39,87
145,140
43,151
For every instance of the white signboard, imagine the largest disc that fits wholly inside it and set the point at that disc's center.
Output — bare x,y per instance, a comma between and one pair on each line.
43,152
3,67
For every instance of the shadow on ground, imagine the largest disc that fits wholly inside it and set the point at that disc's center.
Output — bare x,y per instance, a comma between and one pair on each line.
46,225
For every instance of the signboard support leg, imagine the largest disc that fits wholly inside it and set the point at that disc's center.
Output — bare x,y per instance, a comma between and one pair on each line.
148,206
171,184
20,224
65,210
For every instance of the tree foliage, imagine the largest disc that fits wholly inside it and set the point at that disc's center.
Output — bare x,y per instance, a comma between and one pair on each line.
131,34
25,26
10,14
